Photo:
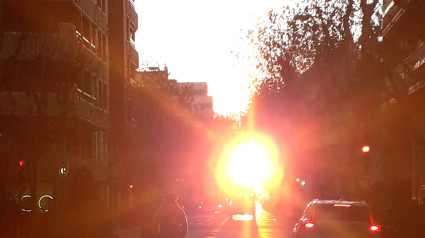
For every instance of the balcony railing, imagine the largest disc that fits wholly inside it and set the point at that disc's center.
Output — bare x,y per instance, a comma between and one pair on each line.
86,42
132,3
392,15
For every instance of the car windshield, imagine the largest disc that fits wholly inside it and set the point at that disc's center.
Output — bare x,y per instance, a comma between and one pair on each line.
331,212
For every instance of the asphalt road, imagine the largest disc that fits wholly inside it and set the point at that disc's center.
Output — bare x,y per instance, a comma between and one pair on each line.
220,225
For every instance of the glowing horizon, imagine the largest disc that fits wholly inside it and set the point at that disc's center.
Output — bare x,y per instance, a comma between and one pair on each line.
200,41
249,162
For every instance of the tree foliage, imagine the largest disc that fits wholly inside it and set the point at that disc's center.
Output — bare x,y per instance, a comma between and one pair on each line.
316,82
289,42
314,52
164,136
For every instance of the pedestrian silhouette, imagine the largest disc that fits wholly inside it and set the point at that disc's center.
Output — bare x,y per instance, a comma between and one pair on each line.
170,220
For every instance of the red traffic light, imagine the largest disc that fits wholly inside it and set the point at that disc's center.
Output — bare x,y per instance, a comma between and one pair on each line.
21,163
365,149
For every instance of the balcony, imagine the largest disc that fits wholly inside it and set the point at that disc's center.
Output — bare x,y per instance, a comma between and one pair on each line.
96,14
131,12
133,55
392,14
132,3
63,55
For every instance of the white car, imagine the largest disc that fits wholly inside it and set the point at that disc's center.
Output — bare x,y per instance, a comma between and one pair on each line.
336,218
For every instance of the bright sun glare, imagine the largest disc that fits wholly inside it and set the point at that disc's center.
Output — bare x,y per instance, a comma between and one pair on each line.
250,161
249,165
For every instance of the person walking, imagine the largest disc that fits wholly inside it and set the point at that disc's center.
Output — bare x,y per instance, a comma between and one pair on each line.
170,220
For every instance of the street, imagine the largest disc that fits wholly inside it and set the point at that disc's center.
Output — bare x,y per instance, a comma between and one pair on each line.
220,225
216,108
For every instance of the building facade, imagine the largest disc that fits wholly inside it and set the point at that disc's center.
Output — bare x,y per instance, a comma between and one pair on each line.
192,94
201,104
54,104
179,117
123,61
403,54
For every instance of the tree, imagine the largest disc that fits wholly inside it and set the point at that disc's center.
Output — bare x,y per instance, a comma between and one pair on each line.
316,81
291,41
220,132
163,131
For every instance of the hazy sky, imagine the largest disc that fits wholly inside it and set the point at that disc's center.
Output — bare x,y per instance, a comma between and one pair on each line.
196,38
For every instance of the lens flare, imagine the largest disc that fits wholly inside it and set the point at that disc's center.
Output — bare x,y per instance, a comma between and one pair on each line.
249,163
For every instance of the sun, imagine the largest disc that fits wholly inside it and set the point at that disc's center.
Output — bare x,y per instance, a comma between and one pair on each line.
249,163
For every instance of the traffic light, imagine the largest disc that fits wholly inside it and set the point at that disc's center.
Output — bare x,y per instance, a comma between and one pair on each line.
22,177
302,182
365,149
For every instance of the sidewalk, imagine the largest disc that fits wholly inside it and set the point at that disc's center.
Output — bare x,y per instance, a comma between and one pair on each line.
128,226
132,232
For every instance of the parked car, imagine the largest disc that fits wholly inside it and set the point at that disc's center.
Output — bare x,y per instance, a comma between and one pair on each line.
336,218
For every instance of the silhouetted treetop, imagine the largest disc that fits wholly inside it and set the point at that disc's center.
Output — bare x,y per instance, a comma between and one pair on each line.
289,41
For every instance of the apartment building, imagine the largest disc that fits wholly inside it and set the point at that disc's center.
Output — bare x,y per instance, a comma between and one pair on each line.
54,102
403,54
123,61
201,104
194,95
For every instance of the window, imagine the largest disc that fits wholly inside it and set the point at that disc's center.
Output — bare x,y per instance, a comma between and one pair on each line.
101,100
100,145
106,196
132,3
87,145
87,82
79,83
86,31
71,144
93,36
98,92
103,4
131,31
331,212
99,45
105,96
132,34
104,48
308,212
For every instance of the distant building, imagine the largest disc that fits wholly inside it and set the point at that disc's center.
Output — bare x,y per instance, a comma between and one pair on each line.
201,104
192,94
186,111
154,77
